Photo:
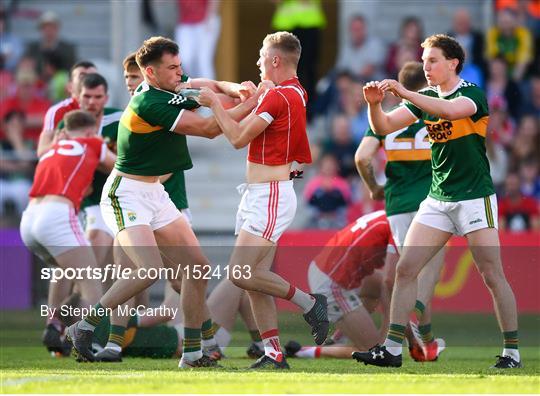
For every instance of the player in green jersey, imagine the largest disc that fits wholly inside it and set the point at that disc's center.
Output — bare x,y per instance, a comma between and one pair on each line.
408,177
152,143
461,198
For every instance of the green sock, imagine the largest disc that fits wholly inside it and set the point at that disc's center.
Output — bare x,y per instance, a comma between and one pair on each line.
192,340
116,335
255,335
426,333
396,333
207,330
510,339
96,314
419,309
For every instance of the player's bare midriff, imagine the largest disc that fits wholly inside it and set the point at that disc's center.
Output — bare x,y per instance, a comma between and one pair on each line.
145,179
258,173
50,198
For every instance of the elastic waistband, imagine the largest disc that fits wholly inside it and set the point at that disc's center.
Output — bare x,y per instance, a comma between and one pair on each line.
263,186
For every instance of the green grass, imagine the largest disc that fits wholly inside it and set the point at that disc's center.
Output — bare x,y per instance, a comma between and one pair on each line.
473,342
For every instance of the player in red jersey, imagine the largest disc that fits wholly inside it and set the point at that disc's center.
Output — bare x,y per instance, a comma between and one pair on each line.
49,225
56,113
346,272
276,134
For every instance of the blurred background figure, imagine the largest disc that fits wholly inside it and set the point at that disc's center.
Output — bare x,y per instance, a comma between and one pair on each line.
50,43
306,20
512,41
11,46
328,196
196,33
517,212
411,35
341,146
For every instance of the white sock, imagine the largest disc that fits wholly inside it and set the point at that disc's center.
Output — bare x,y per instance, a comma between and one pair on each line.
223,337
308,352
513,353
303,300
208,343
192,356
113,346
271,344
393,347
84,325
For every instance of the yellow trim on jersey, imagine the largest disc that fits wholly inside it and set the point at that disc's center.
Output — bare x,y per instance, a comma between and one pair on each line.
443,130
408,155
136,124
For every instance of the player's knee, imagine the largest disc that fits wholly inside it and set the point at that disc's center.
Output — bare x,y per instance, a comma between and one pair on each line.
405,272
492,276
241,282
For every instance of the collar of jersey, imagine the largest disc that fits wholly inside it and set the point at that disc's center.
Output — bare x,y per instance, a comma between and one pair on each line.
444,94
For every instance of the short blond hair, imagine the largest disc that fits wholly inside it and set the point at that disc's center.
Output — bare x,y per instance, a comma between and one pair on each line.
287,43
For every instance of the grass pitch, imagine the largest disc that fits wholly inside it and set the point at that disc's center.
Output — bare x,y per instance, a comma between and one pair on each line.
472,340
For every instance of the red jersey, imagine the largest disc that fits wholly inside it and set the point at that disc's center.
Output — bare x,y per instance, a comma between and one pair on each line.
285,139
67,169
357,250
191,12
56,113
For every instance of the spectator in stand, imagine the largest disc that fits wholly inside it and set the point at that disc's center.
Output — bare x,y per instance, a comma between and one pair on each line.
516,211
327,195
501,90
512,41
7,83
305,19
27,101
498,160
526,142
501,127
530,180
341,146
411,35
532,105
197,32
50,43
362,54
11,46
471,40
56,78
16,165
354,107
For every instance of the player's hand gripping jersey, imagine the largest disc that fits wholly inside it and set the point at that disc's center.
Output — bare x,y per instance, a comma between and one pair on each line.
285,139
67,168
357,250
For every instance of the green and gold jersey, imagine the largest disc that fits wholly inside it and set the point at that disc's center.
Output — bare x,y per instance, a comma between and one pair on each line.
408,168
147,145
108,130
458,152
176,188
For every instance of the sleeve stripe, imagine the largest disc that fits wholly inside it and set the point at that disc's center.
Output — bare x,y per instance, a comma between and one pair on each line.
173,127
267,117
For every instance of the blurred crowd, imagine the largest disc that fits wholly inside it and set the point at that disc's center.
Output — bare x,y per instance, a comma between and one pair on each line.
505,61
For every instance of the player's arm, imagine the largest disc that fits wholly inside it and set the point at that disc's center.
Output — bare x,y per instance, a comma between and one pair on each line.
238,133
363,158
193,124
453,109
383,123
233,90
107,163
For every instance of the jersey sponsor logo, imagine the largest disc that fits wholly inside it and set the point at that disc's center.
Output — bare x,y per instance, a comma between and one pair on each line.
443,130
439,131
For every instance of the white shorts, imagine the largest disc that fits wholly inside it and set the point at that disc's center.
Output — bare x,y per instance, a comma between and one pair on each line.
399,225
340,301
127,203
460,217
49,229
266,209
93,220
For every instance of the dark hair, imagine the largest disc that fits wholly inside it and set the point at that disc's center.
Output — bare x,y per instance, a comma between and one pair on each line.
76,120
412,76
94,80
130,61
153,49
449,46
14,113
357,17
53,59
83,64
